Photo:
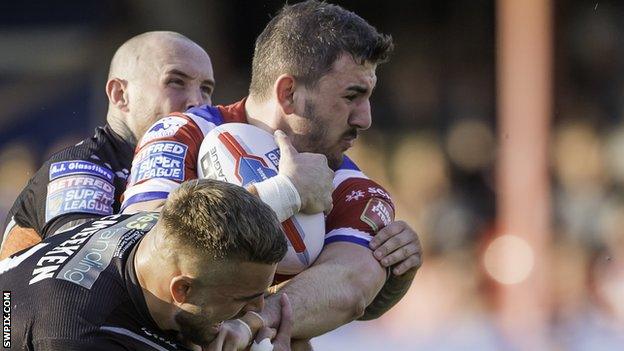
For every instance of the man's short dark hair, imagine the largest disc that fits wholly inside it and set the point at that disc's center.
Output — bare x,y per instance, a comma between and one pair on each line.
305,40
222,221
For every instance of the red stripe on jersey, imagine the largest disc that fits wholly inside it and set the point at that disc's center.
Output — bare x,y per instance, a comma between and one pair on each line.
360,204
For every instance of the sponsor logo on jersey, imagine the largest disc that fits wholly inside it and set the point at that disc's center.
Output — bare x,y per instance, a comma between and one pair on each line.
377,214
82,257
274,157
66,168
164,128
55,258
164,159
79,193
378,192
355,195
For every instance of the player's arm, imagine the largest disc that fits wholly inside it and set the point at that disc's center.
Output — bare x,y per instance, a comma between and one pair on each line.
391,293
165,157
334,291
362,209
397,247
16,239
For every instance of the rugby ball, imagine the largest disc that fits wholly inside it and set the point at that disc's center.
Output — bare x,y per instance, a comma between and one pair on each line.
243,154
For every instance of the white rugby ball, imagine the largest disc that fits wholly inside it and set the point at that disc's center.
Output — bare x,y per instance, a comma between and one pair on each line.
243,154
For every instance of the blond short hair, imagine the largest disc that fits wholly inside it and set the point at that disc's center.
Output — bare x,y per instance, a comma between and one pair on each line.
224,222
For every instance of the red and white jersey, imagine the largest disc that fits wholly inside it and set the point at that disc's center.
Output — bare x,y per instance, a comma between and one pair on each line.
167,155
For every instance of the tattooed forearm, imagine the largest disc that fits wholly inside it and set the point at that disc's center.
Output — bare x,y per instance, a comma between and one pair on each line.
391,293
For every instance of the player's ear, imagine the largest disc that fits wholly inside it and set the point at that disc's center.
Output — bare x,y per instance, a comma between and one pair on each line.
285,93
179,288
117,92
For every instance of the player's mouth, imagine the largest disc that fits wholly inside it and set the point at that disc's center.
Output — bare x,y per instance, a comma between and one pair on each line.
348,140
347,143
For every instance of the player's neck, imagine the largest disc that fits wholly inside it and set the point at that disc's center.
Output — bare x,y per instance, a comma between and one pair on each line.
262,114
121,128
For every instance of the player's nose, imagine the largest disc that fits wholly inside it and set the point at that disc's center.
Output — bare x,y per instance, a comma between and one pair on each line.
196,98
361,117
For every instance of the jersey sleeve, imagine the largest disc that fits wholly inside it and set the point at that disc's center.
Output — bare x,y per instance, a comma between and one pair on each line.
63,190
361,208
165,157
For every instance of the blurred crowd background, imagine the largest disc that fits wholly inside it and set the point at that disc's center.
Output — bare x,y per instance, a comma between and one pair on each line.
433,144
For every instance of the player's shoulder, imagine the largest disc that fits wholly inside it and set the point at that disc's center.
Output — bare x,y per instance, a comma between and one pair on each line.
352,186
192,125
234,112
79,159
361,206
181,127
207,113
78,163
220,114
77,183
353,183
185,127
349,173
83,150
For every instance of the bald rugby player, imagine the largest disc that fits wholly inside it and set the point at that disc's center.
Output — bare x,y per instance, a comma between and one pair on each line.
151,75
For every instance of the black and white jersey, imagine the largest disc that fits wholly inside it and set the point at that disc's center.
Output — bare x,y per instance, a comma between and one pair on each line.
78,290
82,181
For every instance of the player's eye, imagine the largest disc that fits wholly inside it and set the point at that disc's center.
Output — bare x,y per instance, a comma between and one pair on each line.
206,89
351,97
176,82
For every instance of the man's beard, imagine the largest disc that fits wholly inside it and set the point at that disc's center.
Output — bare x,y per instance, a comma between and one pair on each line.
316,138
318,133
194,328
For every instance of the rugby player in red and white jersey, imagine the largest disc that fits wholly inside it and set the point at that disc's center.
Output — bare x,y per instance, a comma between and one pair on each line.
313,74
